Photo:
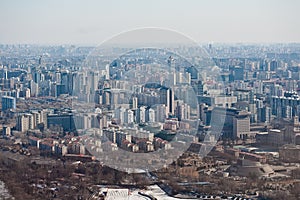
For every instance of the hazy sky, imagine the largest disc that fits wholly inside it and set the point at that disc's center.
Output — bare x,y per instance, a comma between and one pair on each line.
92,21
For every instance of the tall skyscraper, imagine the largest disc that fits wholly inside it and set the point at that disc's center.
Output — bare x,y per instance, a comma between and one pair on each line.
171,63
167,97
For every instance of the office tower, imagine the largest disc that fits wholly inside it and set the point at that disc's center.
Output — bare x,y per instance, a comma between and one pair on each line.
198,87
59,90
274,65
238,73
66,121
236,122
65,81
37,76
8,103
171,63
241,126
166,96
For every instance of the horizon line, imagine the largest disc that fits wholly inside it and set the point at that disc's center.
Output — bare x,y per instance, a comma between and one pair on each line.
179,43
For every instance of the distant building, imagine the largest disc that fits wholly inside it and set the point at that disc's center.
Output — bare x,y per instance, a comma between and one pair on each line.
129,117
150,115
60,89
276,137
141,115
198,87
60,149
24,122
160,112
236,122
167,97
220,101
75,148
290,153
241,126
66,121
285,107
183,111
246,167
116,194
120,115
134,103
238,73
265,114
6,131
8,103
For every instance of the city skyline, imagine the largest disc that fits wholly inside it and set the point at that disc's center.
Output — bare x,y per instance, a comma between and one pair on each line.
75,22
150,116
137,99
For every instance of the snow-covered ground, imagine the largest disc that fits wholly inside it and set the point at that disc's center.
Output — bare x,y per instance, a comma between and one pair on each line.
4,194
158,193
153,190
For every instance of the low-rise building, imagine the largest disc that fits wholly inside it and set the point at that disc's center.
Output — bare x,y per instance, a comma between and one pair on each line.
290,153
